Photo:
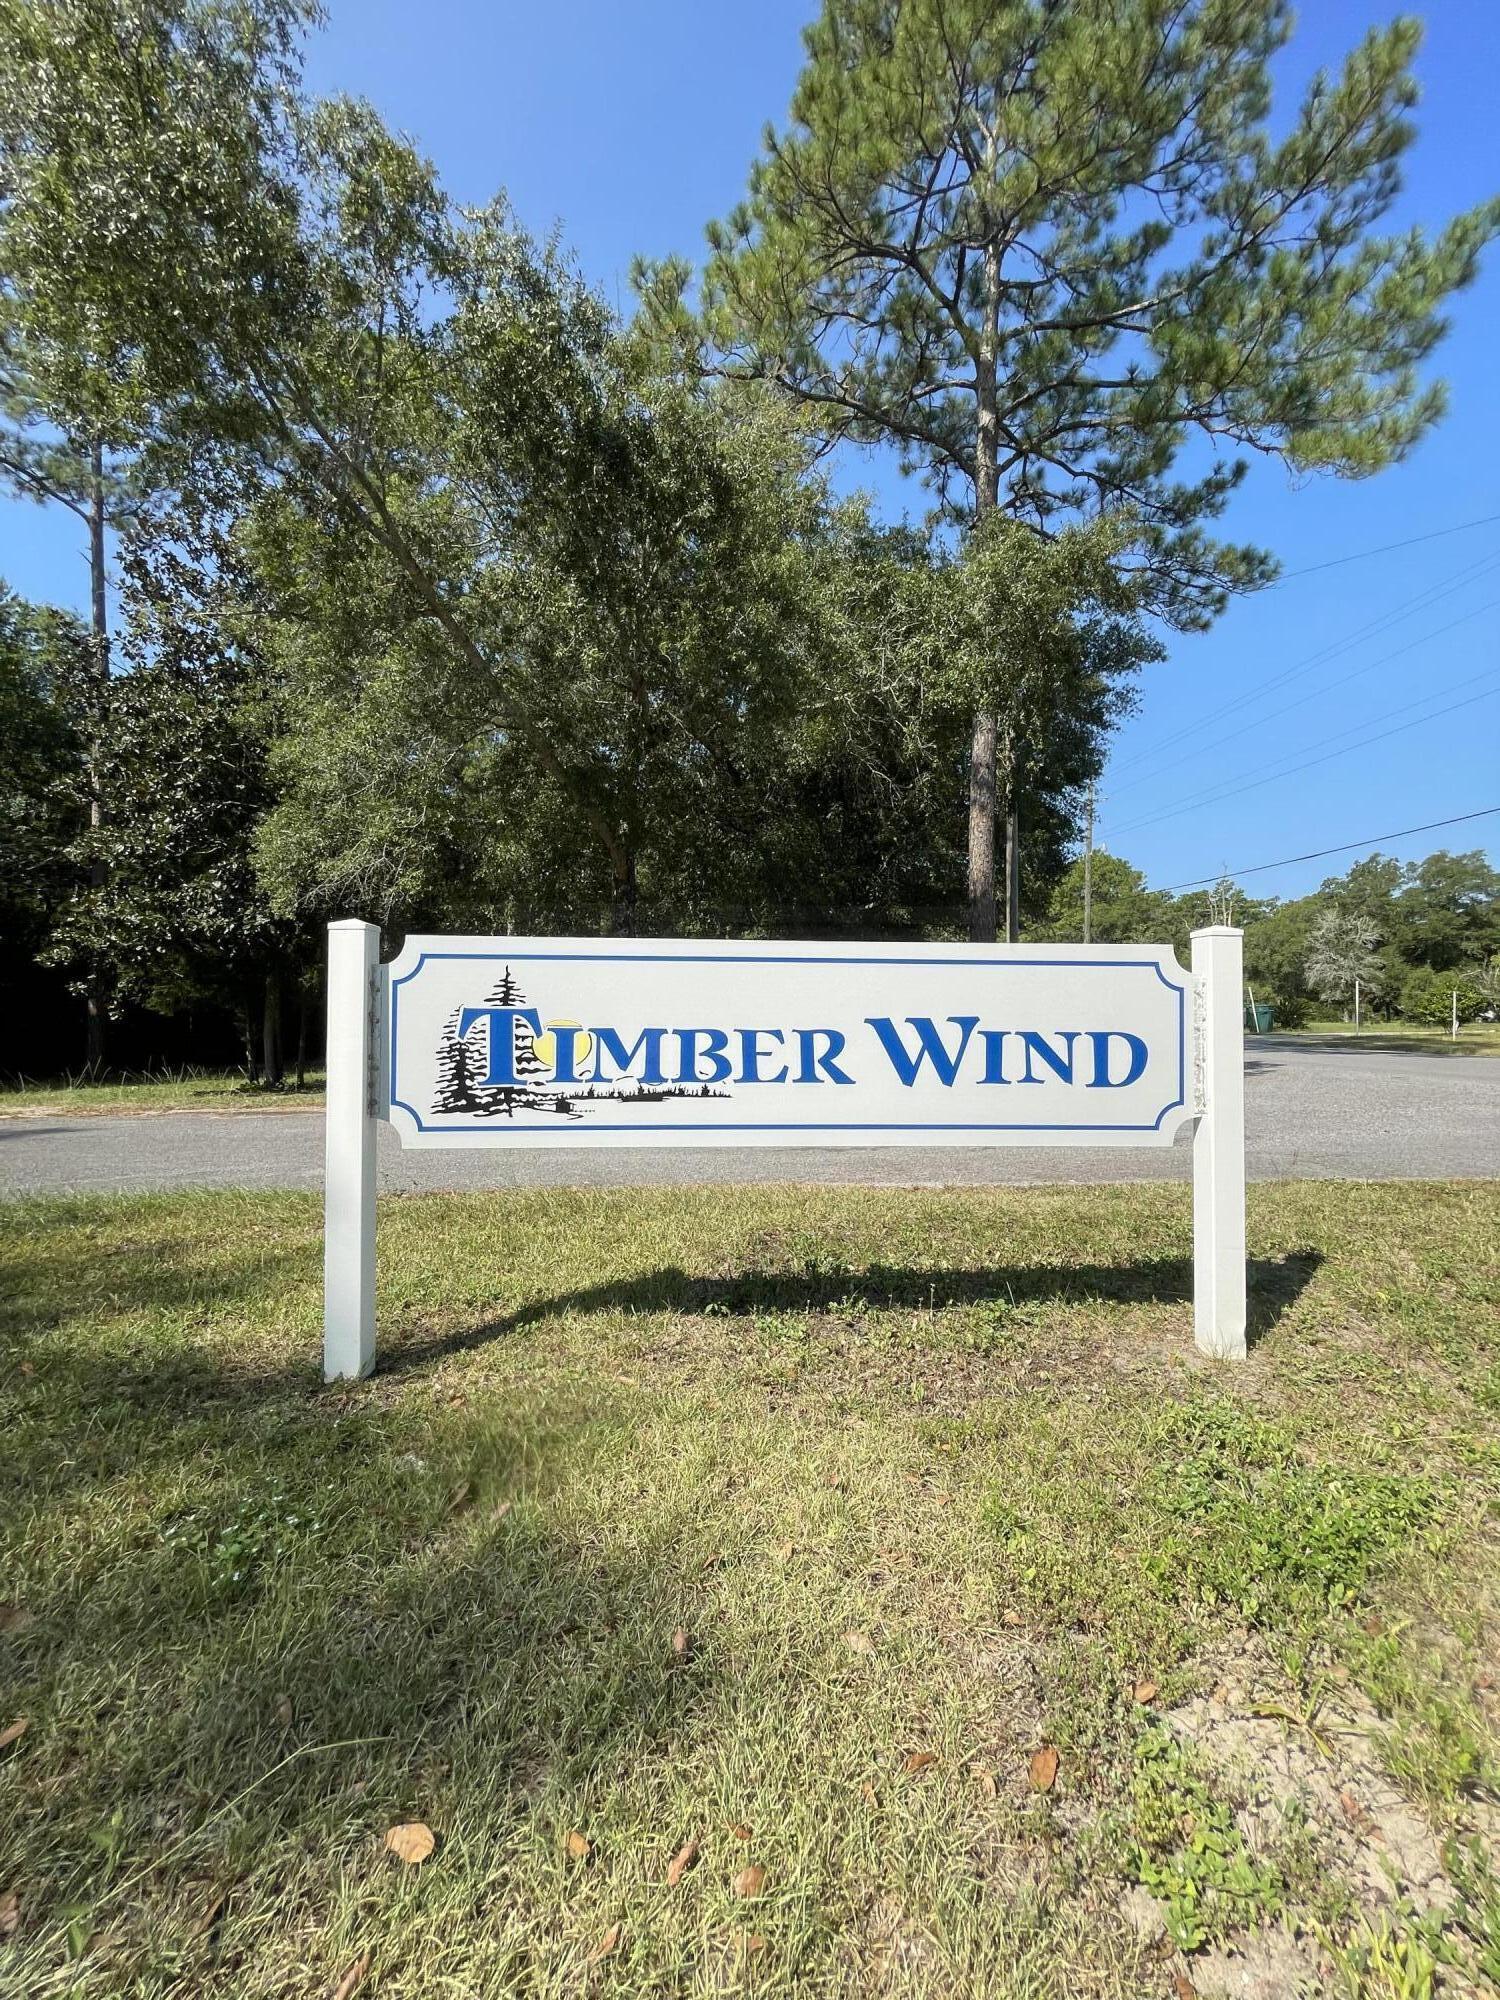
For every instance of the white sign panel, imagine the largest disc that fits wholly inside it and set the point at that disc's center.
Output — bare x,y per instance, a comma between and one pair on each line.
646,1042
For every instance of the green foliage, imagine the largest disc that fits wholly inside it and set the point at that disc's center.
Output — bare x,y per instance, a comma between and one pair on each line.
1186,1849
1427,995
550,633
1263,1529
43,785
1123,909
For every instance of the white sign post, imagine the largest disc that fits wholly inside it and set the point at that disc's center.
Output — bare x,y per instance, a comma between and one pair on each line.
565,1042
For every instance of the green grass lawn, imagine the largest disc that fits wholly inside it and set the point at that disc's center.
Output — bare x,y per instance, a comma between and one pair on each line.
1475,1038
895,1548
153,1091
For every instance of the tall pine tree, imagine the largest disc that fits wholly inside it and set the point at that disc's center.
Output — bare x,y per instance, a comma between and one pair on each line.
1043,247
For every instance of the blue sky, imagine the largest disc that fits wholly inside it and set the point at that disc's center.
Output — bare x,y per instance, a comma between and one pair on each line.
629,126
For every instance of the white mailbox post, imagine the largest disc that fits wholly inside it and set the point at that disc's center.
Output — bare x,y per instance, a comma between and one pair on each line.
565,1042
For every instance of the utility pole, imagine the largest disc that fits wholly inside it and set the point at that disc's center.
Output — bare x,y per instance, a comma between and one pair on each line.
1088,870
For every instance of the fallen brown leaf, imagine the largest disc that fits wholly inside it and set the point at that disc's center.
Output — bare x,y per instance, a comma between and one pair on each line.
1009,1617
284,1710
711,1562
10,1913
751,1941
15,1618
681,1861
750,1881
918,1760
353,1979
411,1842
740,1830
579,1846
1043,1768
1355,1813
1183,1987
608,1943
682,1645
1145,1691
13,1731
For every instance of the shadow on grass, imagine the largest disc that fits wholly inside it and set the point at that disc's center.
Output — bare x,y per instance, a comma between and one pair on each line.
1356,1044
485,1673
1275,1285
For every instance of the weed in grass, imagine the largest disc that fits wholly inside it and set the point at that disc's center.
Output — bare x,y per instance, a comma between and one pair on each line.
1477,1907
1265,1531
227,1558
1186,1849
1390,1959
1434,1745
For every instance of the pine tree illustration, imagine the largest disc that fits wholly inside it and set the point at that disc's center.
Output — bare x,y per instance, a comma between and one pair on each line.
527,1062
455,1085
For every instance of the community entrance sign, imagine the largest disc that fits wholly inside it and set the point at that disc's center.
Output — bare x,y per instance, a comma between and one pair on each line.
549,1042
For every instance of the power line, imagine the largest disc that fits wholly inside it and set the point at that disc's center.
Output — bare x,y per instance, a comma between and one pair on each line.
1301,701
1234,790
1430,594
1385,549
1321,853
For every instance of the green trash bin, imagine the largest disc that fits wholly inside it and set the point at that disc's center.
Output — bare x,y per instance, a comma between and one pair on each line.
1259,1020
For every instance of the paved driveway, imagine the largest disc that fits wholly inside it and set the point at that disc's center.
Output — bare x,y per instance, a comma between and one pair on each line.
1318,1113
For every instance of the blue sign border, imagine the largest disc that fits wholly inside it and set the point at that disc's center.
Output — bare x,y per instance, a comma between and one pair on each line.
788,958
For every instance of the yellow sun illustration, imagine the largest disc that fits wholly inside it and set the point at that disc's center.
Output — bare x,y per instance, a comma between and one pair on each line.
545,1045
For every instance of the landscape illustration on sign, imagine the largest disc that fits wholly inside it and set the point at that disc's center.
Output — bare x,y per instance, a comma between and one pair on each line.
521,1063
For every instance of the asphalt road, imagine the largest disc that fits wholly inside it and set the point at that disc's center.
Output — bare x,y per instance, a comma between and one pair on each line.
1311,1113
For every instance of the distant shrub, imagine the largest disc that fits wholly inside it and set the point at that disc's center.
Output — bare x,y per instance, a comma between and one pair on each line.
1291,1010
1428,996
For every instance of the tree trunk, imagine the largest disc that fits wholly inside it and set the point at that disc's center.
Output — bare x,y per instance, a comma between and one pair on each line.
247,1036
97,998
982,830
271,1064
301,1034
622,918
981,871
